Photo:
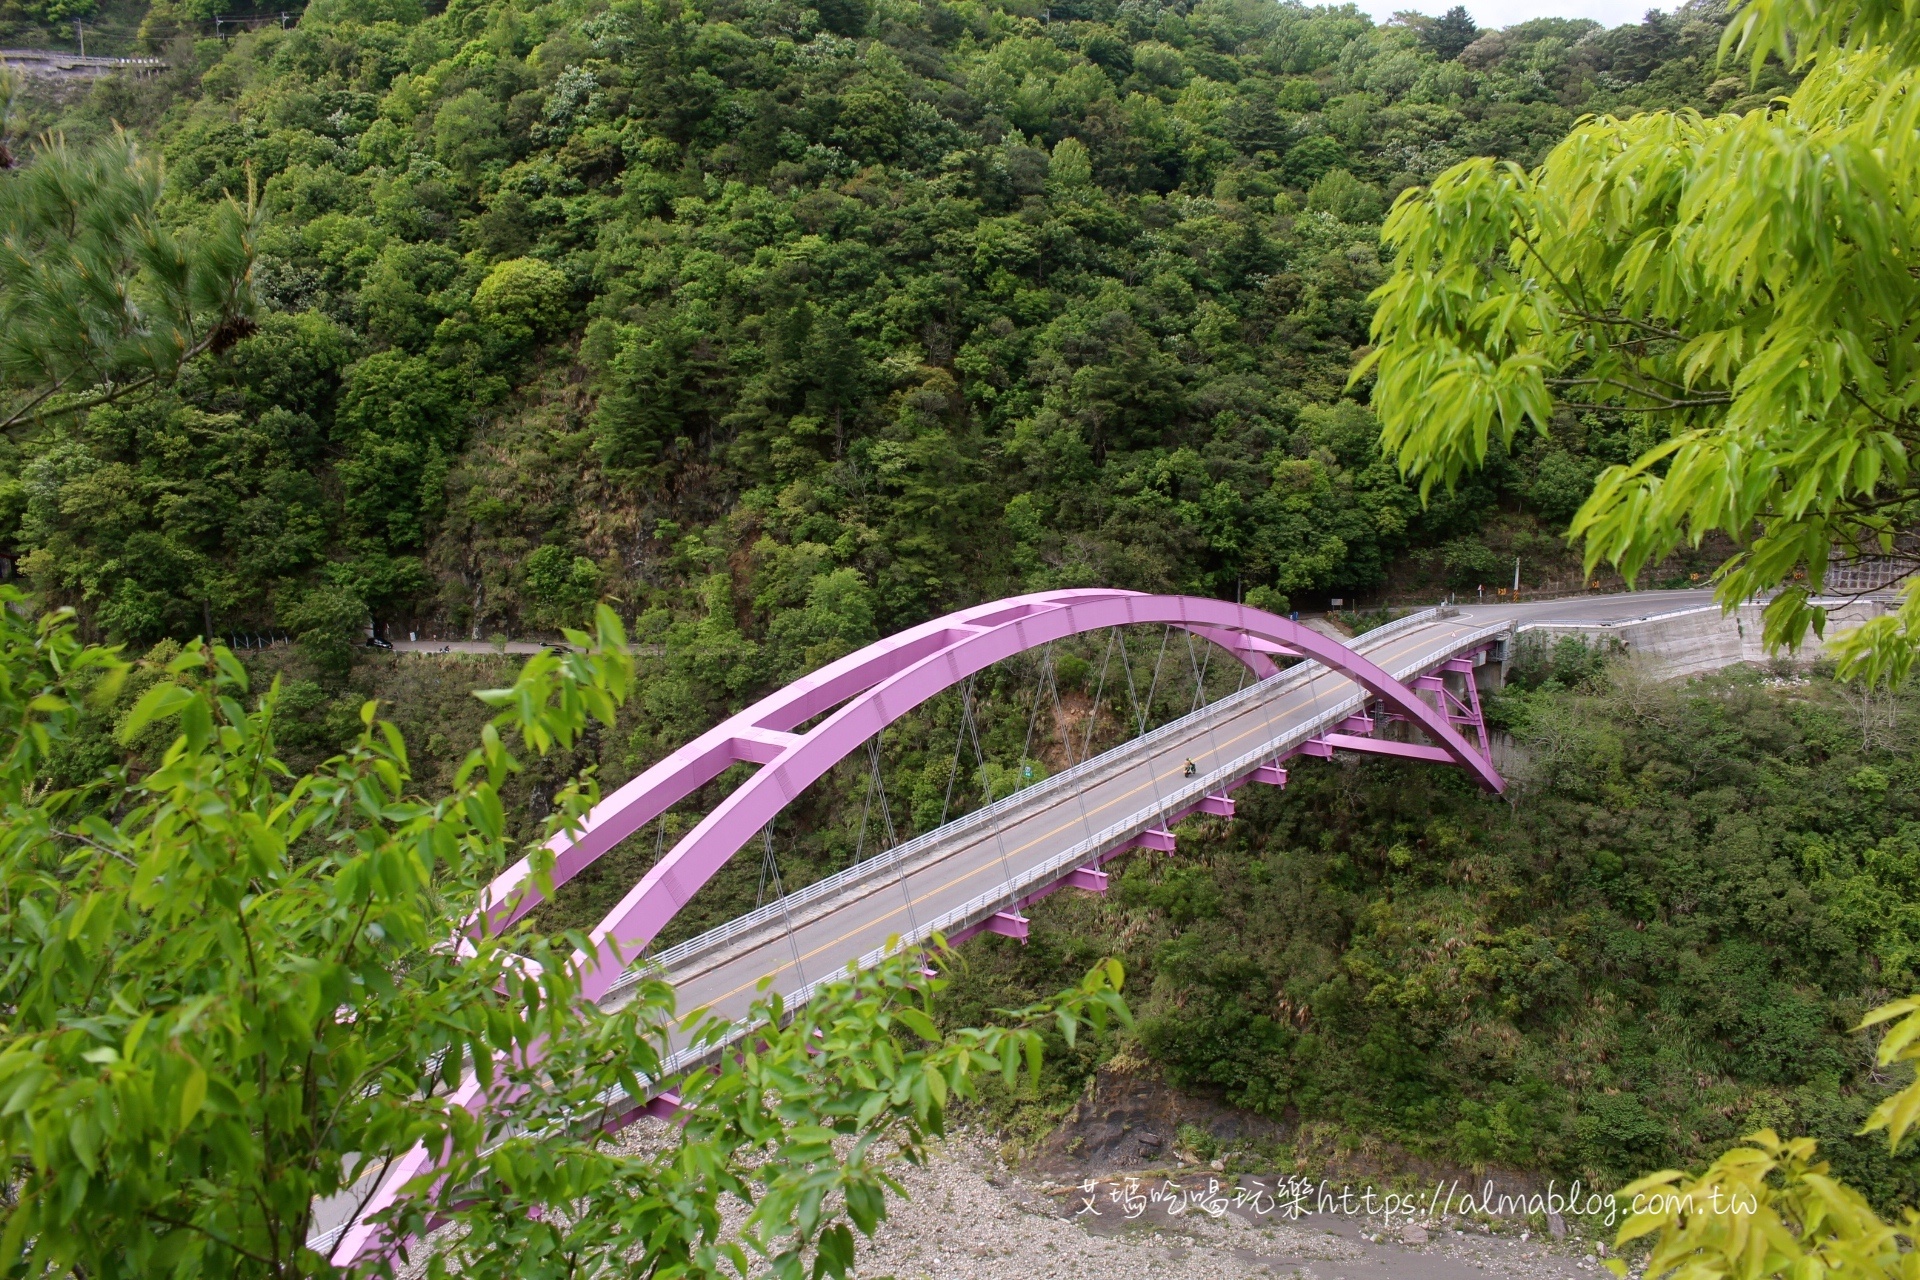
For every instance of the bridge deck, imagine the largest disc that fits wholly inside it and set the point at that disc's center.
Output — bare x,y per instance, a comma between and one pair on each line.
1012,852
1001,857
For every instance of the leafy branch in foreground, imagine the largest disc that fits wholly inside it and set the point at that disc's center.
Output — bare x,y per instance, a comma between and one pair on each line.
794,1126
231,993
1770,1208
1743,282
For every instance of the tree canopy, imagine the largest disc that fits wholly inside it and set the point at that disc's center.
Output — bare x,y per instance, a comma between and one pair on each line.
1742,283
945,299
101,294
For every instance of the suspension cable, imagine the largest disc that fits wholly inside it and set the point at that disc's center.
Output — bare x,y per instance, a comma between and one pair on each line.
1155,686
1086,745
1199,668
979,756
1039,691
959,739
659,850
880,784
986,780
1133,694
786,910
876,781
866,808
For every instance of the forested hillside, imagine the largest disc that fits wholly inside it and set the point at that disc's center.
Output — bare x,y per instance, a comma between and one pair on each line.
811,322
1657,943
786,327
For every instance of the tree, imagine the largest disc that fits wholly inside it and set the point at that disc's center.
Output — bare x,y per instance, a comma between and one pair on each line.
229,989
560,586
522,298
327,622
100,297
1449,33
1742,284
1769,1208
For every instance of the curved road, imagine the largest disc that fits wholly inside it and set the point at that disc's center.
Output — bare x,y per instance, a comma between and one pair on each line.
977,872
989,863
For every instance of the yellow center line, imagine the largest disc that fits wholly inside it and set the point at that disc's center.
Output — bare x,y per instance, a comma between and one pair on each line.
966,876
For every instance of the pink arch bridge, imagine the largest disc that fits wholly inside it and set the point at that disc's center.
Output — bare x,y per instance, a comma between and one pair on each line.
877,686
975,874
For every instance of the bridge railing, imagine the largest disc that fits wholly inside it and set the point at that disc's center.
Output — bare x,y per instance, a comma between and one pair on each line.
1012,890
1069,779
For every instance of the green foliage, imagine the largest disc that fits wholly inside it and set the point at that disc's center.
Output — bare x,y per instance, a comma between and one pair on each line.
561,586
1737,280
975,302
1344,196
1659,947
522,298
800,1129
1449,34
327,622
101,294
1787,1212
231,989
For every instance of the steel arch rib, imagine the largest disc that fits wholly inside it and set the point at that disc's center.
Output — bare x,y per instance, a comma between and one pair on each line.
865,692
872,689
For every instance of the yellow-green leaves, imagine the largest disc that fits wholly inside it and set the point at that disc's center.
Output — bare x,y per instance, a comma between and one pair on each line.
557,693
1769,1208
227,986
1763,1209
1742,284
1898,1114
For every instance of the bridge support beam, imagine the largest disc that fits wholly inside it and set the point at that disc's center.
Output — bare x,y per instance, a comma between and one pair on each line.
1270,774
1157,839
1008,924
1090,879
1220,806
1387,747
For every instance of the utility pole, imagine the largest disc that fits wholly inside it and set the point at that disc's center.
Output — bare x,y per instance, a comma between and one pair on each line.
1516,577
80,37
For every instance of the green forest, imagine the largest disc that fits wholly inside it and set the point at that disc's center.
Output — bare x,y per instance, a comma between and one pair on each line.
784,327
1657,943
827,320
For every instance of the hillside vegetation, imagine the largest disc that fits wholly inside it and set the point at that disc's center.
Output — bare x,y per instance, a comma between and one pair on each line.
1656,944
819,320
785,327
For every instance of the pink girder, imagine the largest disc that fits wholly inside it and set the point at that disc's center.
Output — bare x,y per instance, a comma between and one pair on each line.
860,695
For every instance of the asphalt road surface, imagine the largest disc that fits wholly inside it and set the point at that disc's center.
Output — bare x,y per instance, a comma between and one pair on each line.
820,938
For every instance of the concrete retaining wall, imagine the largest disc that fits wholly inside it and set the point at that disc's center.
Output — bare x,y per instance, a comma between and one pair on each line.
1690,642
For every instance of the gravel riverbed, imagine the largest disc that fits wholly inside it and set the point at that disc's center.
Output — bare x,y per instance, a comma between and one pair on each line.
969,1219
